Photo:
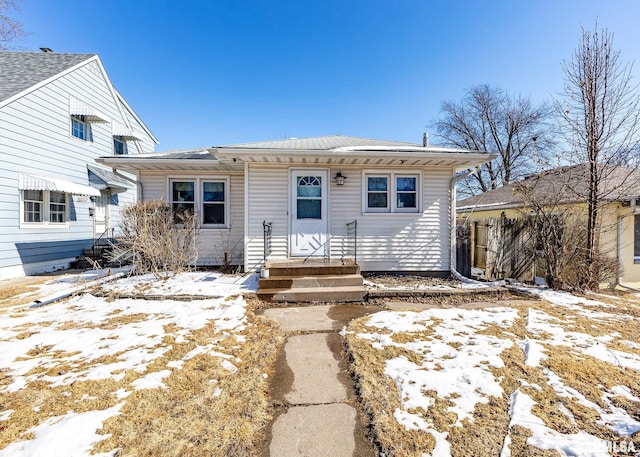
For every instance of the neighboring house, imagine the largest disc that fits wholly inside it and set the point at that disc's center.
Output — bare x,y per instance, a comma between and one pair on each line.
58,112
619,232
294,199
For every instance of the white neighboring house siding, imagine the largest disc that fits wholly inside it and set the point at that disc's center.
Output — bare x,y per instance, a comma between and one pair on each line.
36,138
386,241
212,242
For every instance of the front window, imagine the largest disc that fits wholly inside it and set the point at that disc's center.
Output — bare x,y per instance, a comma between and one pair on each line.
213,202
44,207
119,146
182,198
406,193
378,193
391,193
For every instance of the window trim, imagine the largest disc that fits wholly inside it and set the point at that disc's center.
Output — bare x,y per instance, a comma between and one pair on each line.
392,191
198,196
125,146
46,212
88,134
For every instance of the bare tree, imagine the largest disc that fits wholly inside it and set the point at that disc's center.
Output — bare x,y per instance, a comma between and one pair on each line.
11,31
489,119
600,116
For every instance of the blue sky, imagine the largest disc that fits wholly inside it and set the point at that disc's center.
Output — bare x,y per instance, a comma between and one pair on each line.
203,73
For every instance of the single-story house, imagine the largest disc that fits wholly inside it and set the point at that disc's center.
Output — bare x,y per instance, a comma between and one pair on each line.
619,228
58,112
298,199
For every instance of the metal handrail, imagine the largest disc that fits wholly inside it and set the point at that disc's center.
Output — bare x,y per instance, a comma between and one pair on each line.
107,235
352,238
267,228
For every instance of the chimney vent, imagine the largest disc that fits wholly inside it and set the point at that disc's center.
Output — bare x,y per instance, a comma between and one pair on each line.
425,139
46,49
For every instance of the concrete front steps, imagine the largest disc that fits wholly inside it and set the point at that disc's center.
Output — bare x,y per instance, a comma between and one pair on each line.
312,281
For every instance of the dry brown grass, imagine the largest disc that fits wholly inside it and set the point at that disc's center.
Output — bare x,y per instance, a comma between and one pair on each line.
205,409
484,435
188,418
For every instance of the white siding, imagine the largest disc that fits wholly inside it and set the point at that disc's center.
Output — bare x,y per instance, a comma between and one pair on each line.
212,242
386,242
268,201
35,138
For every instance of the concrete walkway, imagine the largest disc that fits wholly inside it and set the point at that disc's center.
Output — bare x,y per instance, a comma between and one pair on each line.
320,416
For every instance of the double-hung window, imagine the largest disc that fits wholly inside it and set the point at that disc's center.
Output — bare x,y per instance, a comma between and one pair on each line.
183,198
207,197
391,192
43,207
213,202
119,145
80,128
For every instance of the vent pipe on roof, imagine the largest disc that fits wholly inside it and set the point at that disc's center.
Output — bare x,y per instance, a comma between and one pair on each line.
425,139
46,49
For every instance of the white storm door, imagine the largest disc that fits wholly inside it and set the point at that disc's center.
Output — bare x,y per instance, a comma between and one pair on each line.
309,213
101,214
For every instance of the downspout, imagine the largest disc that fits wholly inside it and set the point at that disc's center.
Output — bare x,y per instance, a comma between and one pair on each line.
634,212
452,235
132,181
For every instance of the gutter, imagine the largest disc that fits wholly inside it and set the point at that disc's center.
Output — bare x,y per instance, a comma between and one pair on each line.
634,212
452,236
137,183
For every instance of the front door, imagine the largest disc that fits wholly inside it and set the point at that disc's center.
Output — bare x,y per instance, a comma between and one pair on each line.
309,212
101,214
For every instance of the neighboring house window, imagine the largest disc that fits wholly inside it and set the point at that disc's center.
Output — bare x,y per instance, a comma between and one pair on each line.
33,201
208,197
119,146
636,238
80,128
44,207
391,192
57,207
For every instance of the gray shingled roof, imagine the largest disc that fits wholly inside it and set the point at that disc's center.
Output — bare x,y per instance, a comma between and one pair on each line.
566,184
22,70
320,143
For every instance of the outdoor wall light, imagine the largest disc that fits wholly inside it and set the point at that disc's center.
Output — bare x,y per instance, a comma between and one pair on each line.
340,178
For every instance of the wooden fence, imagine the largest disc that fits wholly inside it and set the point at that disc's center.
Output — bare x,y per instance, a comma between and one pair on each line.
498,246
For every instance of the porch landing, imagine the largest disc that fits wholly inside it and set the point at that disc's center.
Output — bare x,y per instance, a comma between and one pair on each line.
313,280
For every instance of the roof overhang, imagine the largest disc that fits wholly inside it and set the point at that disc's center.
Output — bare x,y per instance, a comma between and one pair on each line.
108,180
156,162
33,182
409,156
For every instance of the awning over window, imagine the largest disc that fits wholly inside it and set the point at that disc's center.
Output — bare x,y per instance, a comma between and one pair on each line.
123,132
80,108
33,182
103,179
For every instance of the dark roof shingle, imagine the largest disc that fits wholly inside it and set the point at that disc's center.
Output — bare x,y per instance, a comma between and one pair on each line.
563,184
21,70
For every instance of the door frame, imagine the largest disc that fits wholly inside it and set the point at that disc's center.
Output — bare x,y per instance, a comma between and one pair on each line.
293,201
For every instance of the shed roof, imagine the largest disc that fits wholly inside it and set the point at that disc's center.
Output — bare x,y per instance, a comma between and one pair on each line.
564,184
